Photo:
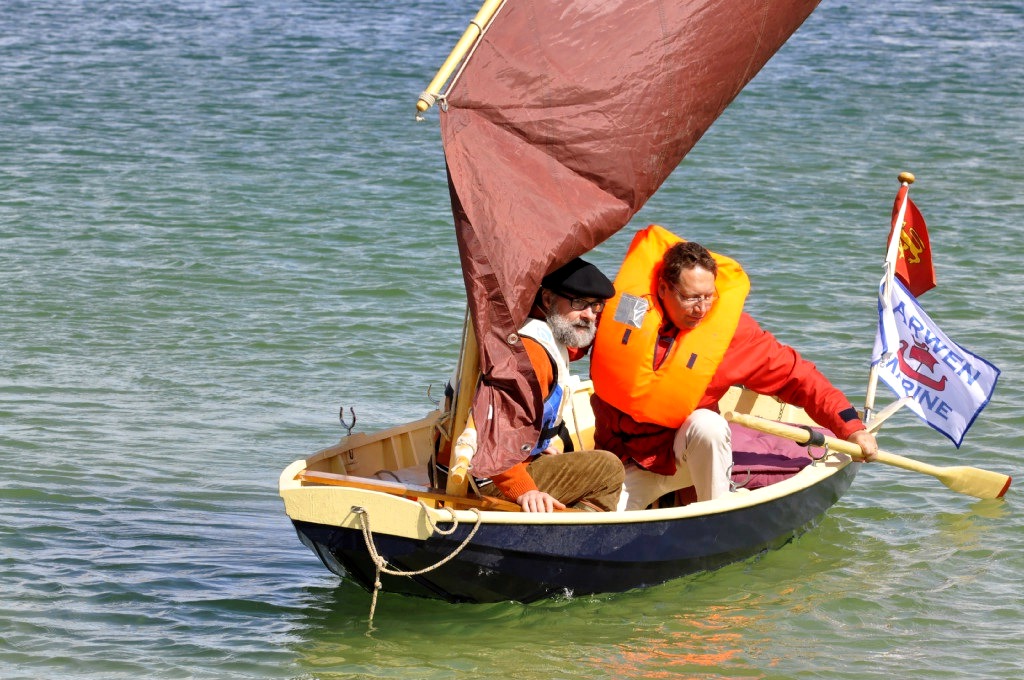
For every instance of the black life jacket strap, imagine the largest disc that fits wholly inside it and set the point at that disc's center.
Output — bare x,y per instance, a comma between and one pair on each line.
560,431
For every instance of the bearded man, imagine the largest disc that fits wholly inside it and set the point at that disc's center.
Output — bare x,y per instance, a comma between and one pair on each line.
561,328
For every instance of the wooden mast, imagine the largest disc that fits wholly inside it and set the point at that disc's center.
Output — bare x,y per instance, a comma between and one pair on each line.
463,426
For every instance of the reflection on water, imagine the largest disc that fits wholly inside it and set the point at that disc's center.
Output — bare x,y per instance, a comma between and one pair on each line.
691,627
710,640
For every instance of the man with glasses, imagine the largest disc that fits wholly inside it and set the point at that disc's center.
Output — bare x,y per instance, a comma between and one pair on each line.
561,328
670,344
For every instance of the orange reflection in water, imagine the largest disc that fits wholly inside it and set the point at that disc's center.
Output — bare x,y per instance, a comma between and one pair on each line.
701,650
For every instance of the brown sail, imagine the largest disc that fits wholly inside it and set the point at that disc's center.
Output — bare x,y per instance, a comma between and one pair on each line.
566,118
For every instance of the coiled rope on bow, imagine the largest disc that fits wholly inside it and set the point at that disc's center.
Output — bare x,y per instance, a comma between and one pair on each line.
382,565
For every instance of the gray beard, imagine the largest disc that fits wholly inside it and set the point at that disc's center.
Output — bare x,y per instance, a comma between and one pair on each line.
578,334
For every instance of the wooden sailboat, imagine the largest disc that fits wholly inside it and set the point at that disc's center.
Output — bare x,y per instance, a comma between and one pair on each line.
559,120
380,515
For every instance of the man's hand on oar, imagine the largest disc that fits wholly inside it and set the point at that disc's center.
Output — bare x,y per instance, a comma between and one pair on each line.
867,443
960,478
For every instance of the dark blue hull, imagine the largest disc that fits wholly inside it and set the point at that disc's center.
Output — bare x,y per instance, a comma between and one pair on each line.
528,562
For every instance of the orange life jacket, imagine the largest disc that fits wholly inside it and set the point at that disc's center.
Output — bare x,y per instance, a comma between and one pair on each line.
622,363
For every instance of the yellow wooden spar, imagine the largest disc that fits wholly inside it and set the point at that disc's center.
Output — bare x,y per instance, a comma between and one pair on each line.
410,491
462,420
466,42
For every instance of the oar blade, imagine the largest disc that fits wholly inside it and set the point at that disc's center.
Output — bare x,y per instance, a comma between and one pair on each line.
974,482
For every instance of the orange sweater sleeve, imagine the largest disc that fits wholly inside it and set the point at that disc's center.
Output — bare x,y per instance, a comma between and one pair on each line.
516,481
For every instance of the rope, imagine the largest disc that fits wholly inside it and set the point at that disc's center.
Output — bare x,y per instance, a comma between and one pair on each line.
382,565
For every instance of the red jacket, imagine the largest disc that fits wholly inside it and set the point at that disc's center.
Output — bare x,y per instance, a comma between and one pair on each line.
755,360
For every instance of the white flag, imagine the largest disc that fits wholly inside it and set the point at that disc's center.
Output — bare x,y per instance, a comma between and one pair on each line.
948,384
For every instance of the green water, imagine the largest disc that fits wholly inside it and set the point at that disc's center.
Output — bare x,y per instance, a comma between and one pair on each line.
219,223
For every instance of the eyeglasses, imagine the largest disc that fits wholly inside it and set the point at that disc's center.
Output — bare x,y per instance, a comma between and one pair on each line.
693,300
579,304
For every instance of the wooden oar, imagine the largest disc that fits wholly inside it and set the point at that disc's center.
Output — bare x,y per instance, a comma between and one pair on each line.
959,478
410,491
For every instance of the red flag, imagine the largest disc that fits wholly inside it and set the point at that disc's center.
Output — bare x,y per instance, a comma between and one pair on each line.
914,261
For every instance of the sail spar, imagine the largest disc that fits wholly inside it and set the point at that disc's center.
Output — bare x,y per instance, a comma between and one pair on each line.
566,118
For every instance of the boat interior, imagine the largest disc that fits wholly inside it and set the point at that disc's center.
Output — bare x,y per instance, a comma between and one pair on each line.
401,455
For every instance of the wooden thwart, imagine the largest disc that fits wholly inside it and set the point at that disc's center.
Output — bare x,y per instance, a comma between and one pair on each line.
410,491
962,479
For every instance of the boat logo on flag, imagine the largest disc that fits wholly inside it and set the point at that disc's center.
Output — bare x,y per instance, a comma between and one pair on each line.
920,354
948,385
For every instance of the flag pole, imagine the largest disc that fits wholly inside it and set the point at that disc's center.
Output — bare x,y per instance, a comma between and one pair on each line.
892,251
905,180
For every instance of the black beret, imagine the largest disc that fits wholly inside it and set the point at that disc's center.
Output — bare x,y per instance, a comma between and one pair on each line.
579,278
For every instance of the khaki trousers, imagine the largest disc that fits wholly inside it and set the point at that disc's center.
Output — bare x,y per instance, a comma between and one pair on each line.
703,451
594,476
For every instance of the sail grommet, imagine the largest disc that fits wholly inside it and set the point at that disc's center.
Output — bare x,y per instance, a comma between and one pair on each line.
512,338
526,448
